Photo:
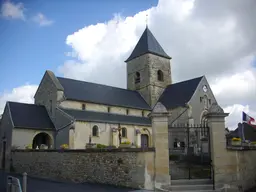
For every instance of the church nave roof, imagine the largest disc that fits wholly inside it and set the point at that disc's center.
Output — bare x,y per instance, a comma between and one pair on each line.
93,116
178,94
102,94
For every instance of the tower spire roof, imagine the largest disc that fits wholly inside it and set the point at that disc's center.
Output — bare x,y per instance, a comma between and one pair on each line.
147,44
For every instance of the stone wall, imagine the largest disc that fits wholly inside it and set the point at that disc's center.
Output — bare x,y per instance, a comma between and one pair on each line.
84,129
22,137
148,65
48,93
6,128
178,116
68,104
122,167
239,169
197,104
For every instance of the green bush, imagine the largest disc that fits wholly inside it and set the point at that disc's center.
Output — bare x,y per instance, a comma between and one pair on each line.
101,146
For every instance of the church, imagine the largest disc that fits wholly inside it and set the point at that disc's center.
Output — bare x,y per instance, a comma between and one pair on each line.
75,113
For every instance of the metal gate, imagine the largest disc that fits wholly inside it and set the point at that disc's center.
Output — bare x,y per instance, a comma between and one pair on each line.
189,149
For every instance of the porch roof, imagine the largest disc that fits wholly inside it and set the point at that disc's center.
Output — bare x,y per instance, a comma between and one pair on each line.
93,116
30,116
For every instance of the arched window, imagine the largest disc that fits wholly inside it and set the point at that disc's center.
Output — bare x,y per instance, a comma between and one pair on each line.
83,106
204,124
127,111
108,109
124,132
206,104
160,75
51,106
137,77
95,131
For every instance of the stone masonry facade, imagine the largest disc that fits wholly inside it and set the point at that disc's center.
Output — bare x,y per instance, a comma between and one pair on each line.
122,167
149,87
239,168
47,94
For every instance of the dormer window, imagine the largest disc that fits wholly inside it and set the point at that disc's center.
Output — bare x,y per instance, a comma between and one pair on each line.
83,106
137,77
160,75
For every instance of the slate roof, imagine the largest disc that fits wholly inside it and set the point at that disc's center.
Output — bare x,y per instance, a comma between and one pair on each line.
178,94
30,116
102,94
147,44
92,116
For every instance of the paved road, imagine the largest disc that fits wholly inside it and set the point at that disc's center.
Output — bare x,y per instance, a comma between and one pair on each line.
42,185
251,190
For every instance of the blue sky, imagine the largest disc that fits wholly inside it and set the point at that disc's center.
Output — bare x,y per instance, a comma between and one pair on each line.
218,43
27,49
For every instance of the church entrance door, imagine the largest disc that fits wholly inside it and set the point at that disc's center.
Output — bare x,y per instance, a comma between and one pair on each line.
144,140
41,139
189,150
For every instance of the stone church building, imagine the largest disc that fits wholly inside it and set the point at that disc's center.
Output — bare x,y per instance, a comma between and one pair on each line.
68,111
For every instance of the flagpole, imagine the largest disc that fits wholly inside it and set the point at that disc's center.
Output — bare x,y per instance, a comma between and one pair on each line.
243,132
243,138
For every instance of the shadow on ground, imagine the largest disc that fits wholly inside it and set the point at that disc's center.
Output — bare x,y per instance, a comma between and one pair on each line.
251,190
44,185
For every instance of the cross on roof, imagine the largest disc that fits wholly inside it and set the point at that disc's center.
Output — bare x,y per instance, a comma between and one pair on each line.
146,19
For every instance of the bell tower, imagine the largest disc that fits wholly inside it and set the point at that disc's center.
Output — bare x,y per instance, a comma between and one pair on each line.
148,68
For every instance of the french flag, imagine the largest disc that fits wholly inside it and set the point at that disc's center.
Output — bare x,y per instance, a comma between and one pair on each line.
249,120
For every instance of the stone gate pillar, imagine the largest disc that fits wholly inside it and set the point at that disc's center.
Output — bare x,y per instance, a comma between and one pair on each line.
216,123
159,117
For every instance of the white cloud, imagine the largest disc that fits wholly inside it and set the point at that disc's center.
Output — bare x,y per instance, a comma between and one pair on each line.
236,93
235,114
204,37
42,20
212,38
23,94
237,88
12,10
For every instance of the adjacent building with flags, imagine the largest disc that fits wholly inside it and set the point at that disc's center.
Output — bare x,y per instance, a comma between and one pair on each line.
245,130
249,120
248,133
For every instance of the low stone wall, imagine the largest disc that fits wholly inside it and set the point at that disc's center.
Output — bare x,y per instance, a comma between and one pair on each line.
239,169
123,167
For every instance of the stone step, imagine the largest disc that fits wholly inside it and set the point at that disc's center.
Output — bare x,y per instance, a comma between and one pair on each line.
197,191
159,190
165,190
191,182
191,187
